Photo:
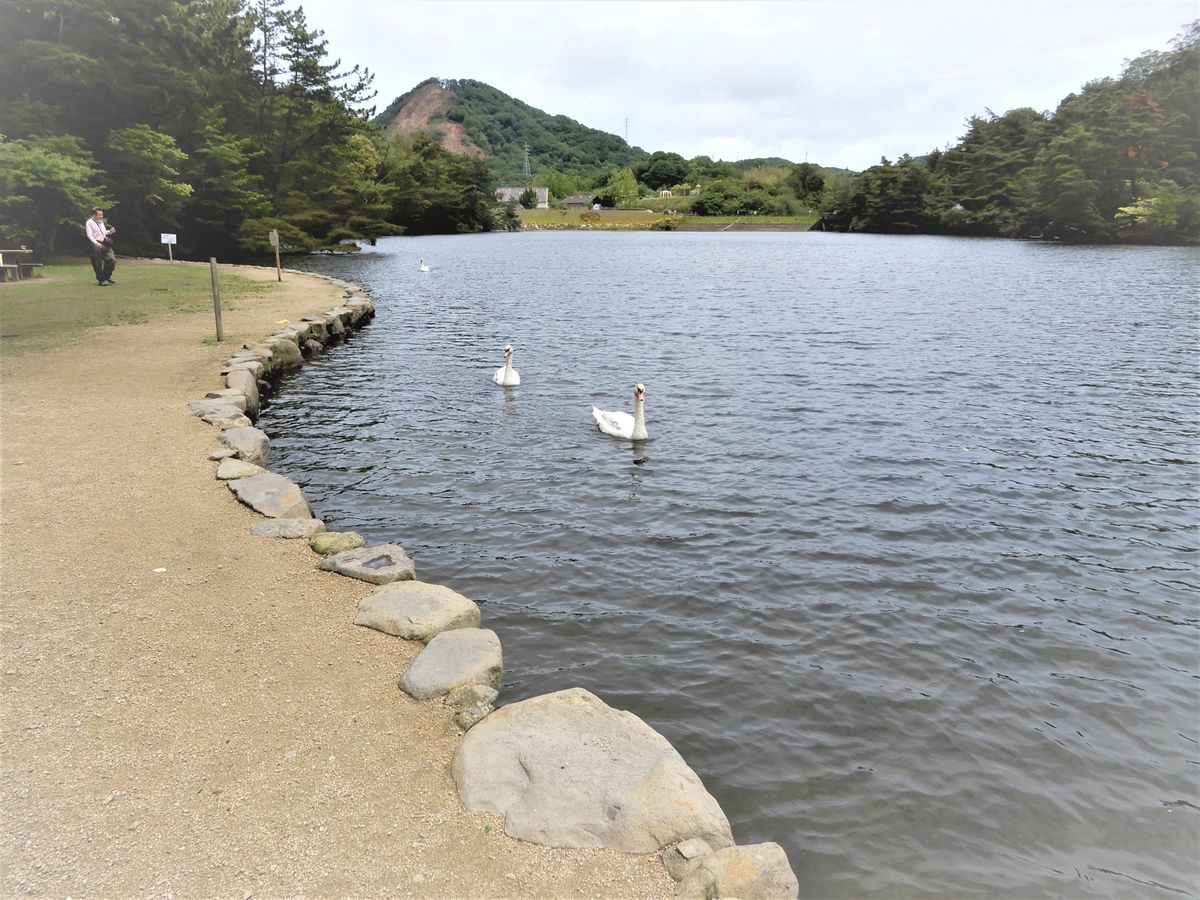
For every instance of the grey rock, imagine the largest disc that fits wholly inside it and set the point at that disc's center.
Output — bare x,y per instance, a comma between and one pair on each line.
331,542
237,468
285,354
317,328
336,326
229,395
247,383
566,770
272,495
377,565
472,703
255,367
416,611
288,528
210,405
453,659
223,453
249,443
680,858
223,422
219,413
313,347
754,872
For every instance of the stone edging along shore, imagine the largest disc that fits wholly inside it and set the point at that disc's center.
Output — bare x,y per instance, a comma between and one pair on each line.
564,769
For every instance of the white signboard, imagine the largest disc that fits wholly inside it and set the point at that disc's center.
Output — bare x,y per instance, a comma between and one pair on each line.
273,237
168,239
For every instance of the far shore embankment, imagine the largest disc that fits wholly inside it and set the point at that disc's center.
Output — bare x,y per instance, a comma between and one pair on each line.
188,709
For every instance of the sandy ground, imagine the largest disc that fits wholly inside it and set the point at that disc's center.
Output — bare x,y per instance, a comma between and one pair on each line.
220,729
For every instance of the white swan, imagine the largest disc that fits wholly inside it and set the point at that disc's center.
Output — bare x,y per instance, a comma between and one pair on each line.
622,424
506,375
422,267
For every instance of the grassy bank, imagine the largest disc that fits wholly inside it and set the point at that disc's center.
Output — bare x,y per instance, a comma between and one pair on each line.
643,219
52,309
601,219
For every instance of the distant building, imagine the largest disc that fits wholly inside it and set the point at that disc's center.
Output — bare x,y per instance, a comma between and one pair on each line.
505,194
664,194
580,201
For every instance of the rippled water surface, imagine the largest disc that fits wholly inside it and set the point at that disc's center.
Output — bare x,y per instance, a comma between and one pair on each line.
906,571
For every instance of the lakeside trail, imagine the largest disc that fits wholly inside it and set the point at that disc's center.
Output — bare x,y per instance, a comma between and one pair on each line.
220,729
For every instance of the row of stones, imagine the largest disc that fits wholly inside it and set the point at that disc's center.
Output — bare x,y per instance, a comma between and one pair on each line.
564,769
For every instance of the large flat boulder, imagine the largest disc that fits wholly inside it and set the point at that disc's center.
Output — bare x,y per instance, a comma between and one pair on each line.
454,659
753,872
377,565
272,495
567,770
416,611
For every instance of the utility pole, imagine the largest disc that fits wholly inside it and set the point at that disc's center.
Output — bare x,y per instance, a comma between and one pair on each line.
627,129
528,177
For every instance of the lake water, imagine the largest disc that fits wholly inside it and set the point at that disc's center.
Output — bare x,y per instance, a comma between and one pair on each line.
906,570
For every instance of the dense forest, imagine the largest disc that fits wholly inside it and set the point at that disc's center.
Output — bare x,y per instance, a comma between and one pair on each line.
217,120
222,120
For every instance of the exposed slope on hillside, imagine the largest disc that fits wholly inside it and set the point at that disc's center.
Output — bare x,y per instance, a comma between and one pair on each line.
474,115
425,109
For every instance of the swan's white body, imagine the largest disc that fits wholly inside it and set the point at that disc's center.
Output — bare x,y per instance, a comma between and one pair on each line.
622,424
506,375
421,267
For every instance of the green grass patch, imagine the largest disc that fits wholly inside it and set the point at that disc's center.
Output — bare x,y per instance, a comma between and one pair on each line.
748,223
645,219
51,310
600,219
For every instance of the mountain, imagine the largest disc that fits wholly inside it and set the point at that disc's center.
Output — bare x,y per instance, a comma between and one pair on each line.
472,117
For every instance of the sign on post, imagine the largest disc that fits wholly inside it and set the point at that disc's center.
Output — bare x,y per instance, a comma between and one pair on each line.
273,237
169,240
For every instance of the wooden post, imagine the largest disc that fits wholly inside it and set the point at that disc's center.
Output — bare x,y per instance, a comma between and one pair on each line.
170,255
212,266
273,237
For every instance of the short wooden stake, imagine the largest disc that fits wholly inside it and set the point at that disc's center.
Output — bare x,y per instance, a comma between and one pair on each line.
212,266
278,268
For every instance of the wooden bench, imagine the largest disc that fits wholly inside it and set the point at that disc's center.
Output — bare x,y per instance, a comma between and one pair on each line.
10,269
27,268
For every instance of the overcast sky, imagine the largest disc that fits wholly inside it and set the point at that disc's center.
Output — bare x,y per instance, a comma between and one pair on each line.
836,83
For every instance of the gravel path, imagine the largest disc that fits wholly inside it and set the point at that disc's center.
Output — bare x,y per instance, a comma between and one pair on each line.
220,728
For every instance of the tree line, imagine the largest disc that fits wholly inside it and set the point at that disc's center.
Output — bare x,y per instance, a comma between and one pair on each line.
218,120
1118,161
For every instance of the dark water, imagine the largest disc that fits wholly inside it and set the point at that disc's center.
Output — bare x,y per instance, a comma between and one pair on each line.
906,571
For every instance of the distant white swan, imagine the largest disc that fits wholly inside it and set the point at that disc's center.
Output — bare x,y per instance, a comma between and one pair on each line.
622,424
506,375
422,267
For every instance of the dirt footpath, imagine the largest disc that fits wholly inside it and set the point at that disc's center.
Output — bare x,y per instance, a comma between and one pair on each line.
220,728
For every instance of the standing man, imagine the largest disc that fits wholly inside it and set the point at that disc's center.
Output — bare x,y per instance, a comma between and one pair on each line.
103,258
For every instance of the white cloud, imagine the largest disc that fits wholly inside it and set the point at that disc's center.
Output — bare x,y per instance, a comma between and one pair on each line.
845,82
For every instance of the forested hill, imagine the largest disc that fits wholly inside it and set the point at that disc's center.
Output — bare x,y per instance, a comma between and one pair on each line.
474,117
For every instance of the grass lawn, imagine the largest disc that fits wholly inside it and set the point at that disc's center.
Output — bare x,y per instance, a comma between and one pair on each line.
599,219
635,219
49,310
747,223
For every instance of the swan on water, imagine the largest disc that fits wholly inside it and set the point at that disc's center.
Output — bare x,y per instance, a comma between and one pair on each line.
622,424
421,267
506,375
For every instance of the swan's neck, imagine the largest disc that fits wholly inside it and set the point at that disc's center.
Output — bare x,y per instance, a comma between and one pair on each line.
639,419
